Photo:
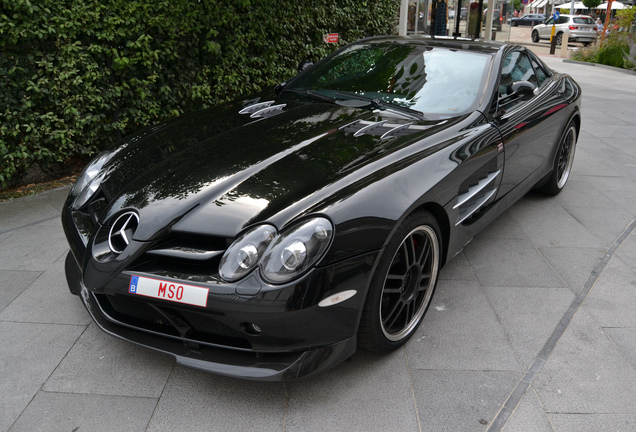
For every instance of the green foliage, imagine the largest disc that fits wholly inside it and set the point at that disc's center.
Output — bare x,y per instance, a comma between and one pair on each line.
592,4
630,57
615,51
586,54
624,17
76,75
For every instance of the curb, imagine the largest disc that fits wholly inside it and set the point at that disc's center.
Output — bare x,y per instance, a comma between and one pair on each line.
617,69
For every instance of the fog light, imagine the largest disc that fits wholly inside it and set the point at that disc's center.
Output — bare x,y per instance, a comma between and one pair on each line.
252,329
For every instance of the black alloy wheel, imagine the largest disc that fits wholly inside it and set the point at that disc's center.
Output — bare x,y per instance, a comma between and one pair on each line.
563,162
559,39
535,36
402,285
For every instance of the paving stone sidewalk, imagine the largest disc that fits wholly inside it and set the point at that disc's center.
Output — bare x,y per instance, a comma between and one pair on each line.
533,326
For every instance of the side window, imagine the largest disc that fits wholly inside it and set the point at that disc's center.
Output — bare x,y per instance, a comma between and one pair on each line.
516,67
541,73
550,21
563,20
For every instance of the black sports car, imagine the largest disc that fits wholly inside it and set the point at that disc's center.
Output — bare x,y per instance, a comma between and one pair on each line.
268,238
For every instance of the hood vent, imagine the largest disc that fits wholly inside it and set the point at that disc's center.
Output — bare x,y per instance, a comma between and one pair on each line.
252,108
262,109
382,129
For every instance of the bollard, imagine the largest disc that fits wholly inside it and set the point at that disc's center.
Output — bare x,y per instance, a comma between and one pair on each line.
552,41
494,35
564,45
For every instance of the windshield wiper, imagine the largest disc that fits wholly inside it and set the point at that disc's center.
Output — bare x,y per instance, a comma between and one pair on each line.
379,103
310,94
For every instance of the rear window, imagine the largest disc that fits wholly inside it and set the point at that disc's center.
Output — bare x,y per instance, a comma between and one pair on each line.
580,20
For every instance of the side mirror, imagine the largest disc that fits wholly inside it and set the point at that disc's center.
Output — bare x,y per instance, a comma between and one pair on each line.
520,89
304,65
279,88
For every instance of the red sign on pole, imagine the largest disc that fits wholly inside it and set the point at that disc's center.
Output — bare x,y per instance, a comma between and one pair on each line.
331,38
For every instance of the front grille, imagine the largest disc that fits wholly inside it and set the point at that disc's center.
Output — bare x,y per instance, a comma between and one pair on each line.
185,324
184,257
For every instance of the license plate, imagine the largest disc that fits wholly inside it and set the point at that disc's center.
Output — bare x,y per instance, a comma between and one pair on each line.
166,290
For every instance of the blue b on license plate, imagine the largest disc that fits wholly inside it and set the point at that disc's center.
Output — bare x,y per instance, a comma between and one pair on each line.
166,290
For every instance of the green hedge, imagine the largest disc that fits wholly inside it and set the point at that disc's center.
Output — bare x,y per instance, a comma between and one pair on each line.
76,75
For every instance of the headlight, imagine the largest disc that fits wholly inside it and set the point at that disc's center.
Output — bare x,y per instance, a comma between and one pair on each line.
282,257
89,180
295,250
245,253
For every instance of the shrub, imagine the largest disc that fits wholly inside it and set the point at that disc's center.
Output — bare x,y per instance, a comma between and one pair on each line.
76,75
611,53
630,57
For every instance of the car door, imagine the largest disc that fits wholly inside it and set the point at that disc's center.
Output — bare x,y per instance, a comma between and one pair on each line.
546,29
529,124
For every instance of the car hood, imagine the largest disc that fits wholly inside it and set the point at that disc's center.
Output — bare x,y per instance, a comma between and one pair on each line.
218,171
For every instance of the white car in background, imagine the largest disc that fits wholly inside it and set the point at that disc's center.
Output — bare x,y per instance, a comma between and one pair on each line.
579,28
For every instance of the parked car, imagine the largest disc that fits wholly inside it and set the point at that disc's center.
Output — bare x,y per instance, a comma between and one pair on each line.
579,28
496,19
269,237
527,20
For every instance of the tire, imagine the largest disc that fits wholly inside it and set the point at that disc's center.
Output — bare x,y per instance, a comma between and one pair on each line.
563,160
535,36
402,285
514,24
559,39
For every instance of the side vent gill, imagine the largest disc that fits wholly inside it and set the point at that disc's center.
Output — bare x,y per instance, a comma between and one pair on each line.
476,197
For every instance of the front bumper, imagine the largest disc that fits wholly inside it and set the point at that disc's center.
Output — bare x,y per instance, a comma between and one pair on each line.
293,343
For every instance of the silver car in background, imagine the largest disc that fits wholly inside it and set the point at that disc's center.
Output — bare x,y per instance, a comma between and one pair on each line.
579,28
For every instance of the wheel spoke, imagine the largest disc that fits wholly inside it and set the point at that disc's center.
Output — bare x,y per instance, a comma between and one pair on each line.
425,280
411,250
393,316
426,253
392,290
409,311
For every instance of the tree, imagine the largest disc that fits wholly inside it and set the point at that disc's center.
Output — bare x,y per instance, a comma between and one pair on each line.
591,4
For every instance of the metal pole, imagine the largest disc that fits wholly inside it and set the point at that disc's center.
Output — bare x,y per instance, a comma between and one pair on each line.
404,16
491,5
458,13
607,18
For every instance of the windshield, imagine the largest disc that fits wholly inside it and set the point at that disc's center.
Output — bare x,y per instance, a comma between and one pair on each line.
431,80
